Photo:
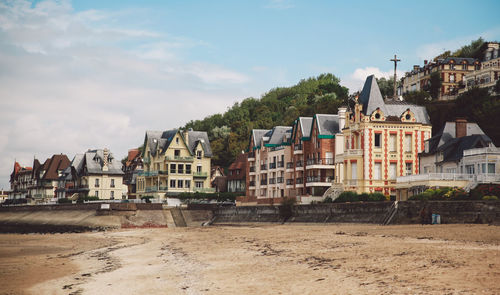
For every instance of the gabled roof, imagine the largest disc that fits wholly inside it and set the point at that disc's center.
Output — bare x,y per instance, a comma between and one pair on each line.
327,124
161,140
92,162
305,124
453,150
257,135
53,165
371,99
447,133
279,135
199,137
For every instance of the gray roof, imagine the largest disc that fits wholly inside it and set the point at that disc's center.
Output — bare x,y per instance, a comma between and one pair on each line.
305,125
327,124
453,150
94,161
257,135
371,99
278,135
160,140
469,60
447,133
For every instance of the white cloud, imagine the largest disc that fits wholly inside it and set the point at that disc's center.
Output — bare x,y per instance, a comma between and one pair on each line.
67,85
356,80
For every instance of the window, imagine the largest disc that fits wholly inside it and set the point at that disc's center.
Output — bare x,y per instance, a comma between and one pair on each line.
172,168
452,78
483,168
408,143
378,171
177,140
199,184
452,66
188,168
354,170
198,154
187,183
112,183
112,195
177,153
377,139
180,168
491,168
469,169
464,66
180,183
451,170
96,182
198,168
409,168
172,183
392,143
97,194
393,171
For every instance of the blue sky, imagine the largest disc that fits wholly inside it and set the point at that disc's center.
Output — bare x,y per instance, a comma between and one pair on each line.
76,75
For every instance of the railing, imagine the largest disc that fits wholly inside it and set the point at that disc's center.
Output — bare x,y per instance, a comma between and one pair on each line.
263,182
200,174
148,173
163,188
319,179
326,161
263,167
251,155
351,182
272,180
481,178
289,182
150,189
289,165
204,189
251,183
280,179
252,168
479,151
299,164
297,147
299,180
281,164
272,165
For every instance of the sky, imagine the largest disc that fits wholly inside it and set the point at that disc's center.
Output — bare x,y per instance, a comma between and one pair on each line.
79,75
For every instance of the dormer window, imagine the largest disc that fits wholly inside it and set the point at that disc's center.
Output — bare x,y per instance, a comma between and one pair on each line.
177,140
198,154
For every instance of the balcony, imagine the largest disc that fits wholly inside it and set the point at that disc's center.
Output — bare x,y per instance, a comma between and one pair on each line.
179,158
151,189
319,181
299,180
263,182
350,182
252,168
251,156
148,173
353,152
251,183
280,179
200,174
289,182
204,189
297,149
272,180
320,163
281,164
263,167
289,165
272,165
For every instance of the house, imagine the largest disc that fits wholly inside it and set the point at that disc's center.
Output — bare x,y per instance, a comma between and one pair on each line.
460,155
237,172
95,173
451,71
132,167
218,179
20,181
382,140
489,73
45,178
175,161
4,195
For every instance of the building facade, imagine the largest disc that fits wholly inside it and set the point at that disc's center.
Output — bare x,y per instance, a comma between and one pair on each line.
489,73
20,181
237,176
174,162
133,166
45,178
382,141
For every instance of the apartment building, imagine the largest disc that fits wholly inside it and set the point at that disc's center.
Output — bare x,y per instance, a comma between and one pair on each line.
175,161
489,73
382,140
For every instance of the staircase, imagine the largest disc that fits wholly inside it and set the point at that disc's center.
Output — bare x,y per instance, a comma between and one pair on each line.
334,191
178,217
390,214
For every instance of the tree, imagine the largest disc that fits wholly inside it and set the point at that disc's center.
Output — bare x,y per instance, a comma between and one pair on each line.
417,97
435,85
386,87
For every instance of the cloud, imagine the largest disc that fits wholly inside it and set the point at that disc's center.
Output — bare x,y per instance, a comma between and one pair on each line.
279,4
356,80
67,82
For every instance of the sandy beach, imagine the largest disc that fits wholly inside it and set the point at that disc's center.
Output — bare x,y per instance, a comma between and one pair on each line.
256,259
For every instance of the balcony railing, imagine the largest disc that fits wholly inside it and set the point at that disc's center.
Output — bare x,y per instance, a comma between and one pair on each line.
272,180
251,155
479,151
272,165
281,164
280,179
289,182
263,167
289,165
263,182
319,179
204,189
353,152
148,173
299,180
251,183
297,147
325,161
485,178
351,182
252,168
200,174
299,163
150,189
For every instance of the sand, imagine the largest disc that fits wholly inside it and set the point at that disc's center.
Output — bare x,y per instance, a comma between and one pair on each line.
256,259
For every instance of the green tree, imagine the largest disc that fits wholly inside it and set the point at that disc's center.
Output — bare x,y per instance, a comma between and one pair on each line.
386,87
435,85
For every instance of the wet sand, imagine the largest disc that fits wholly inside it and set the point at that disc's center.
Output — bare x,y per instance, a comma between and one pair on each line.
256,259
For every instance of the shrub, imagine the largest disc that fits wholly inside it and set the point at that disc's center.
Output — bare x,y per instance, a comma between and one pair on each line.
147,199
64,201
490,198
286,208
377,197
347,197
364,197
328,200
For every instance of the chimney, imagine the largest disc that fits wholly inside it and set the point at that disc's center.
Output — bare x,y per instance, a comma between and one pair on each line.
342,113
105,156
460,127
186,135
425,62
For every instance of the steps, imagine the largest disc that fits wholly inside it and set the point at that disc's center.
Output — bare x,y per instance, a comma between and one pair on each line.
390,214
334,191
178,217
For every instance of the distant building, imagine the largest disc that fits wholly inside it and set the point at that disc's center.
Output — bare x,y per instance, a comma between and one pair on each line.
236,177
451,71
4,195
175,161
382,141
20,181
489,73
460,155
133,166
96,173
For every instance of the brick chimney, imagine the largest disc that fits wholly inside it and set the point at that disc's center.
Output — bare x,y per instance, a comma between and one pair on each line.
425,62
460,127
105,155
